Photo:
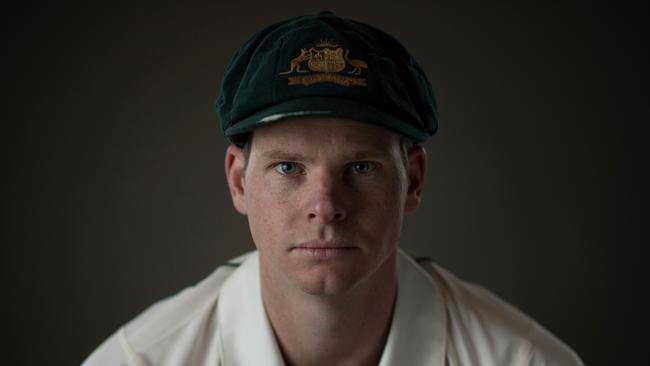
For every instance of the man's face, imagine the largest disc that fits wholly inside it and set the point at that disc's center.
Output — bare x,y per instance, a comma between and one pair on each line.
325,199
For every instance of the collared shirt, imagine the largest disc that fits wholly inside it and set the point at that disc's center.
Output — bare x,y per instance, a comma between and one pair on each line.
438,320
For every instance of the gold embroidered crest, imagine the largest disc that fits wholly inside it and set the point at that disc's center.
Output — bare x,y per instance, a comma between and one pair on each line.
328,63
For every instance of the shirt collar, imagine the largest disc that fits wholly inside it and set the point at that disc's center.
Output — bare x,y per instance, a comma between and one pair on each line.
417,333
418,330
246,335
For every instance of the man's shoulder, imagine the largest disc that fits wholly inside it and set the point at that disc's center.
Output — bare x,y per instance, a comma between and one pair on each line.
186,315
482,326
167,315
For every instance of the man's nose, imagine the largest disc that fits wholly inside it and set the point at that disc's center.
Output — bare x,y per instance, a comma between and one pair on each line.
327,200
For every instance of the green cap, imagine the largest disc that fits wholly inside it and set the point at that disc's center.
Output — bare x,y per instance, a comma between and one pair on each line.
323,65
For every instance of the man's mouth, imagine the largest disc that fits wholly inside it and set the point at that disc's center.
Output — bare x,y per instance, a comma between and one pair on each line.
324,249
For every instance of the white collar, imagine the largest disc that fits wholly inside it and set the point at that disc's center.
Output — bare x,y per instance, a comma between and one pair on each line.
418,329
417,333
246,335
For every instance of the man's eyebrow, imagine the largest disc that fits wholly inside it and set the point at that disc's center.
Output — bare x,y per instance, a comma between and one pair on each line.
279,154
371,154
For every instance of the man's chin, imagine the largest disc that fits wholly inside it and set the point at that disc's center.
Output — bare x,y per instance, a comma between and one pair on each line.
327,282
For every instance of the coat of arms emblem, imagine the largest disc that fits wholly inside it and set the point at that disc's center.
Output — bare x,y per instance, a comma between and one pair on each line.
327,62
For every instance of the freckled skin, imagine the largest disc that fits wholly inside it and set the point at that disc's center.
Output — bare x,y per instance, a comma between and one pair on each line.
326,200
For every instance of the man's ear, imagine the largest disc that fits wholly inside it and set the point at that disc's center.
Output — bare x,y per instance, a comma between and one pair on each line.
235,175
416,171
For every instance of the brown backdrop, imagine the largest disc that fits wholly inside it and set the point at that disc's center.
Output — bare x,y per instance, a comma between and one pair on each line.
115,194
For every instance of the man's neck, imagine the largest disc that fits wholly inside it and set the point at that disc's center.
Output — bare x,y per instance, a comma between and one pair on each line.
346,329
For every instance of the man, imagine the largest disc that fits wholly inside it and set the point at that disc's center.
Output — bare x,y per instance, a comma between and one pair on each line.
325,115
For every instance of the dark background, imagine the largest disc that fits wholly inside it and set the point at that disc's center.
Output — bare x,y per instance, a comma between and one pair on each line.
115,197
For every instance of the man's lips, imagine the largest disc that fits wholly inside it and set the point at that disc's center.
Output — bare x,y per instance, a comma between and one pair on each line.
319,244
324,249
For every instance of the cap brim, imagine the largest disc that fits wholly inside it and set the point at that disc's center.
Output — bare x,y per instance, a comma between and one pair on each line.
325,107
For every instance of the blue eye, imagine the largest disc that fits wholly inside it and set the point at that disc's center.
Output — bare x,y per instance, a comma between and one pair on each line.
363,167
287,168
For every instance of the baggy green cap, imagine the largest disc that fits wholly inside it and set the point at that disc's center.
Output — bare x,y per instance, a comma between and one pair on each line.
323,65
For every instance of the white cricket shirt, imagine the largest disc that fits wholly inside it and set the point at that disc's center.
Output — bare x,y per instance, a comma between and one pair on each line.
438,320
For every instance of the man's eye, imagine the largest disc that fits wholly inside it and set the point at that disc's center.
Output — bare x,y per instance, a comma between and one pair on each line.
363,167
287,168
